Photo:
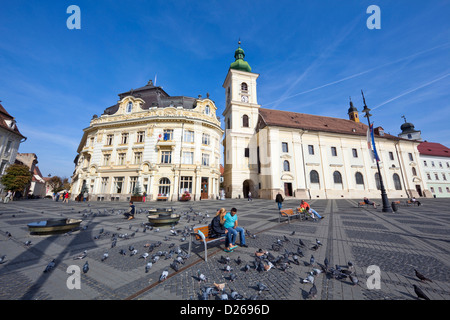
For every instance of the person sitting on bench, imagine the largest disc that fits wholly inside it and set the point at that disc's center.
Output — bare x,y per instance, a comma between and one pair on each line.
218,229
367,201
414,201
307,207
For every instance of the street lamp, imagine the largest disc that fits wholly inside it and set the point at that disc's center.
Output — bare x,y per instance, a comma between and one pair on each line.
384,198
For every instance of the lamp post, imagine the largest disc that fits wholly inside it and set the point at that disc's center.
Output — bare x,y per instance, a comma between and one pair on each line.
384,198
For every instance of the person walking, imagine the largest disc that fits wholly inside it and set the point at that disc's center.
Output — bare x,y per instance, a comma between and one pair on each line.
85,196
8,196
66,197
279,200
231,223
249,196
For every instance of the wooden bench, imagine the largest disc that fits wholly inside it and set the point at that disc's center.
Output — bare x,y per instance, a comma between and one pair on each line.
161,198
289,213
203,233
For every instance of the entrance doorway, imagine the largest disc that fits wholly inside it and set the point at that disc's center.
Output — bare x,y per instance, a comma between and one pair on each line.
419,190
247,186
288,189
204,189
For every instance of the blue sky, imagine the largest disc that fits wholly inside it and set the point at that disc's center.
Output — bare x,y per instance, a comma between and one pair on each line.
311,57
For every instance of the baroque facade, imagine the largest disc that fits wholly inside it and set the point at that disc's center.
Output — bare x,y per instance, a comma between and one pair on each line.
151,142
306,156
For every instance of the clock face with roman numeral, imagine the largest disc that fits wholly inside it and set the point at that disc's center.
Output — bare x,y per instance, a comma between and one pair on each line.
244,99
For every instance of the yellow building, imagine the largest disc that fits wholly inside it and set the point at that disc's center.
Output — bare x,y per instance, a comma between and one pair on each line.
151,142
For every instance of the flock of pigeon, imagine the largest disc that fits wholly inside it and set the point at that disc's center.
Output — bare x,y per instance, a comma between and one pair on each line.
263,261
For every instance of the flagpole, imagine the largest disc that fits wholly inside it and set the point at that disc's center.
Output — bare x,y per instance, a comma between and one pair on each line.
384,197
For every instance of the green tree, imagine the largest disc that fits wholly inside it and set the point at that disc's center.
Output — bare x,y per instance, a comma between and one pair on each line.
16,178
56,183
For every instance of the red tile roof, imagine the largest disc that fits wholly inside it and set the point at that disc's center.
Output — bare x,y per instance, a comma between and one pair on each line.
4,115
433,149
311,122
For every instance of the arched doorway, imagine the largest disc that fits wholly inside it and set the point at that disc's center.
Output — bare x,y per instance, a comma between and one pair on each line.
248,186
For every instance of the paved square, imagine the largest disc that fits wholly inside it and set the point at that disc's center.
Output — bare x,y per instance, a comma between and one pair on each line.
412,238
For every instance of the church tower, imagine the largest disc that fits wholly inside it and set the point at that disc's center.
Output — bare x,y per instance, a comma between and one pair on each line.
353,112
240,116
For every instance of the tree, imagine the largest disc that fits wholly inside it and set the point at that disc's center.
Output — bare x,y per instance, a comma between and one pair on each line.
16,178
55,183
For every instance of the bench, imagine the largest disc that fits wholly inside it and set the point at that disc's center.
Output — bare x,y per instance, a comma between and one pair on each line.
203,233
289,213
161,198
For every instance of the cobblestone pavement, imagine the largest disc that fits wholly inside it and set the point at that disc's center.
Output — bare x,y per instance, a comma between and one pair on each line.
412,238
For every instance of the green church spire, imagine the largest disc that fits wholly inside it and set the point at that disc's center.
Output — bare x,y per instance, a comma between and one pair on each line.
240,63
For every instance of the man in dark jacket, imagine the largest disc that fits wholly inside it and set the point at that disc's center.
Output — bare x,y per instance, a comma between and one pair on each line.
279,200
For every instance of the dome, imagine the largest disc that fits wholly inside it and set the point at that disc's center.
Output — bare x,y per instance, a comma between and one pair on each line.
352,108
407,127
240,63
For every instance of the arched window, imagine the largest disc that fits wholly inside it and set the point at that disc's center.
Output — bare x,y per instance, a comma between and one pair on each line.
359,178
377,181
207,109
228,123
286,166
414,172
244,86
337,177
245,121
397,184
129,107
164,186
314,176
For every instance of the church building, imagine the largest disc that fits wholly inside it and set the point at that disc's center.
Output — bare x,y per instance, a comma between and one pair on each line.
307,156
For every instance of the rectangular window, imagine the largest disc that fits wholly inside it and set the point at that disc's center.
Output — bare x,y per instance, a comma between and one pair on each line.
106,159
247,152
188,157
428,176
166,156
205,139
311,149
391,155
188,136
333,151
436,176
444,177
355,153
3,166
121,159
185,184
432,163
104,185
118,184
410,156
137,157
140,136
284,147
8,148
205,159
109,139
133,184
124,138
168,134
425,163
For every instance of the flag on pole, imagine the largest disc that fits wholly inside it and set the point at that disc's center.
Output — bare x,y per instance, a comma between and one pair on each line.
371,144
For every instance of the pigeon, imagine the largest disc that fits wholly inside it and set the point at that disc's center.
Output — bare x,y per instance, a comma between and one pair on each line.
315,247
27,243
81,255
3,259
122,252
261,287
354,279
201,276
50,266
246,268
224,296
421,276
219,286
164,275
148,266
105,256
86,267
133,252
232,277
300,252
144,256
228,268
312,260
318,242
238,260
236,296
295,258
326,263
312,292
420,294
301,243
309,278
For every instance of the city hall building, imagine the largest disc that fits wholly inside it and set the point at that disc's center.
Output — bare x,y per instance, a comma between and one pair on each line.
306,156
150,142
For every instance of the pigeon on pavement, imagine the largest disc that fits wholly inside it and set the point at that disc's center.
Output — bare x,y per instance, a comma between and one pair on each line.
421,276
420,294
